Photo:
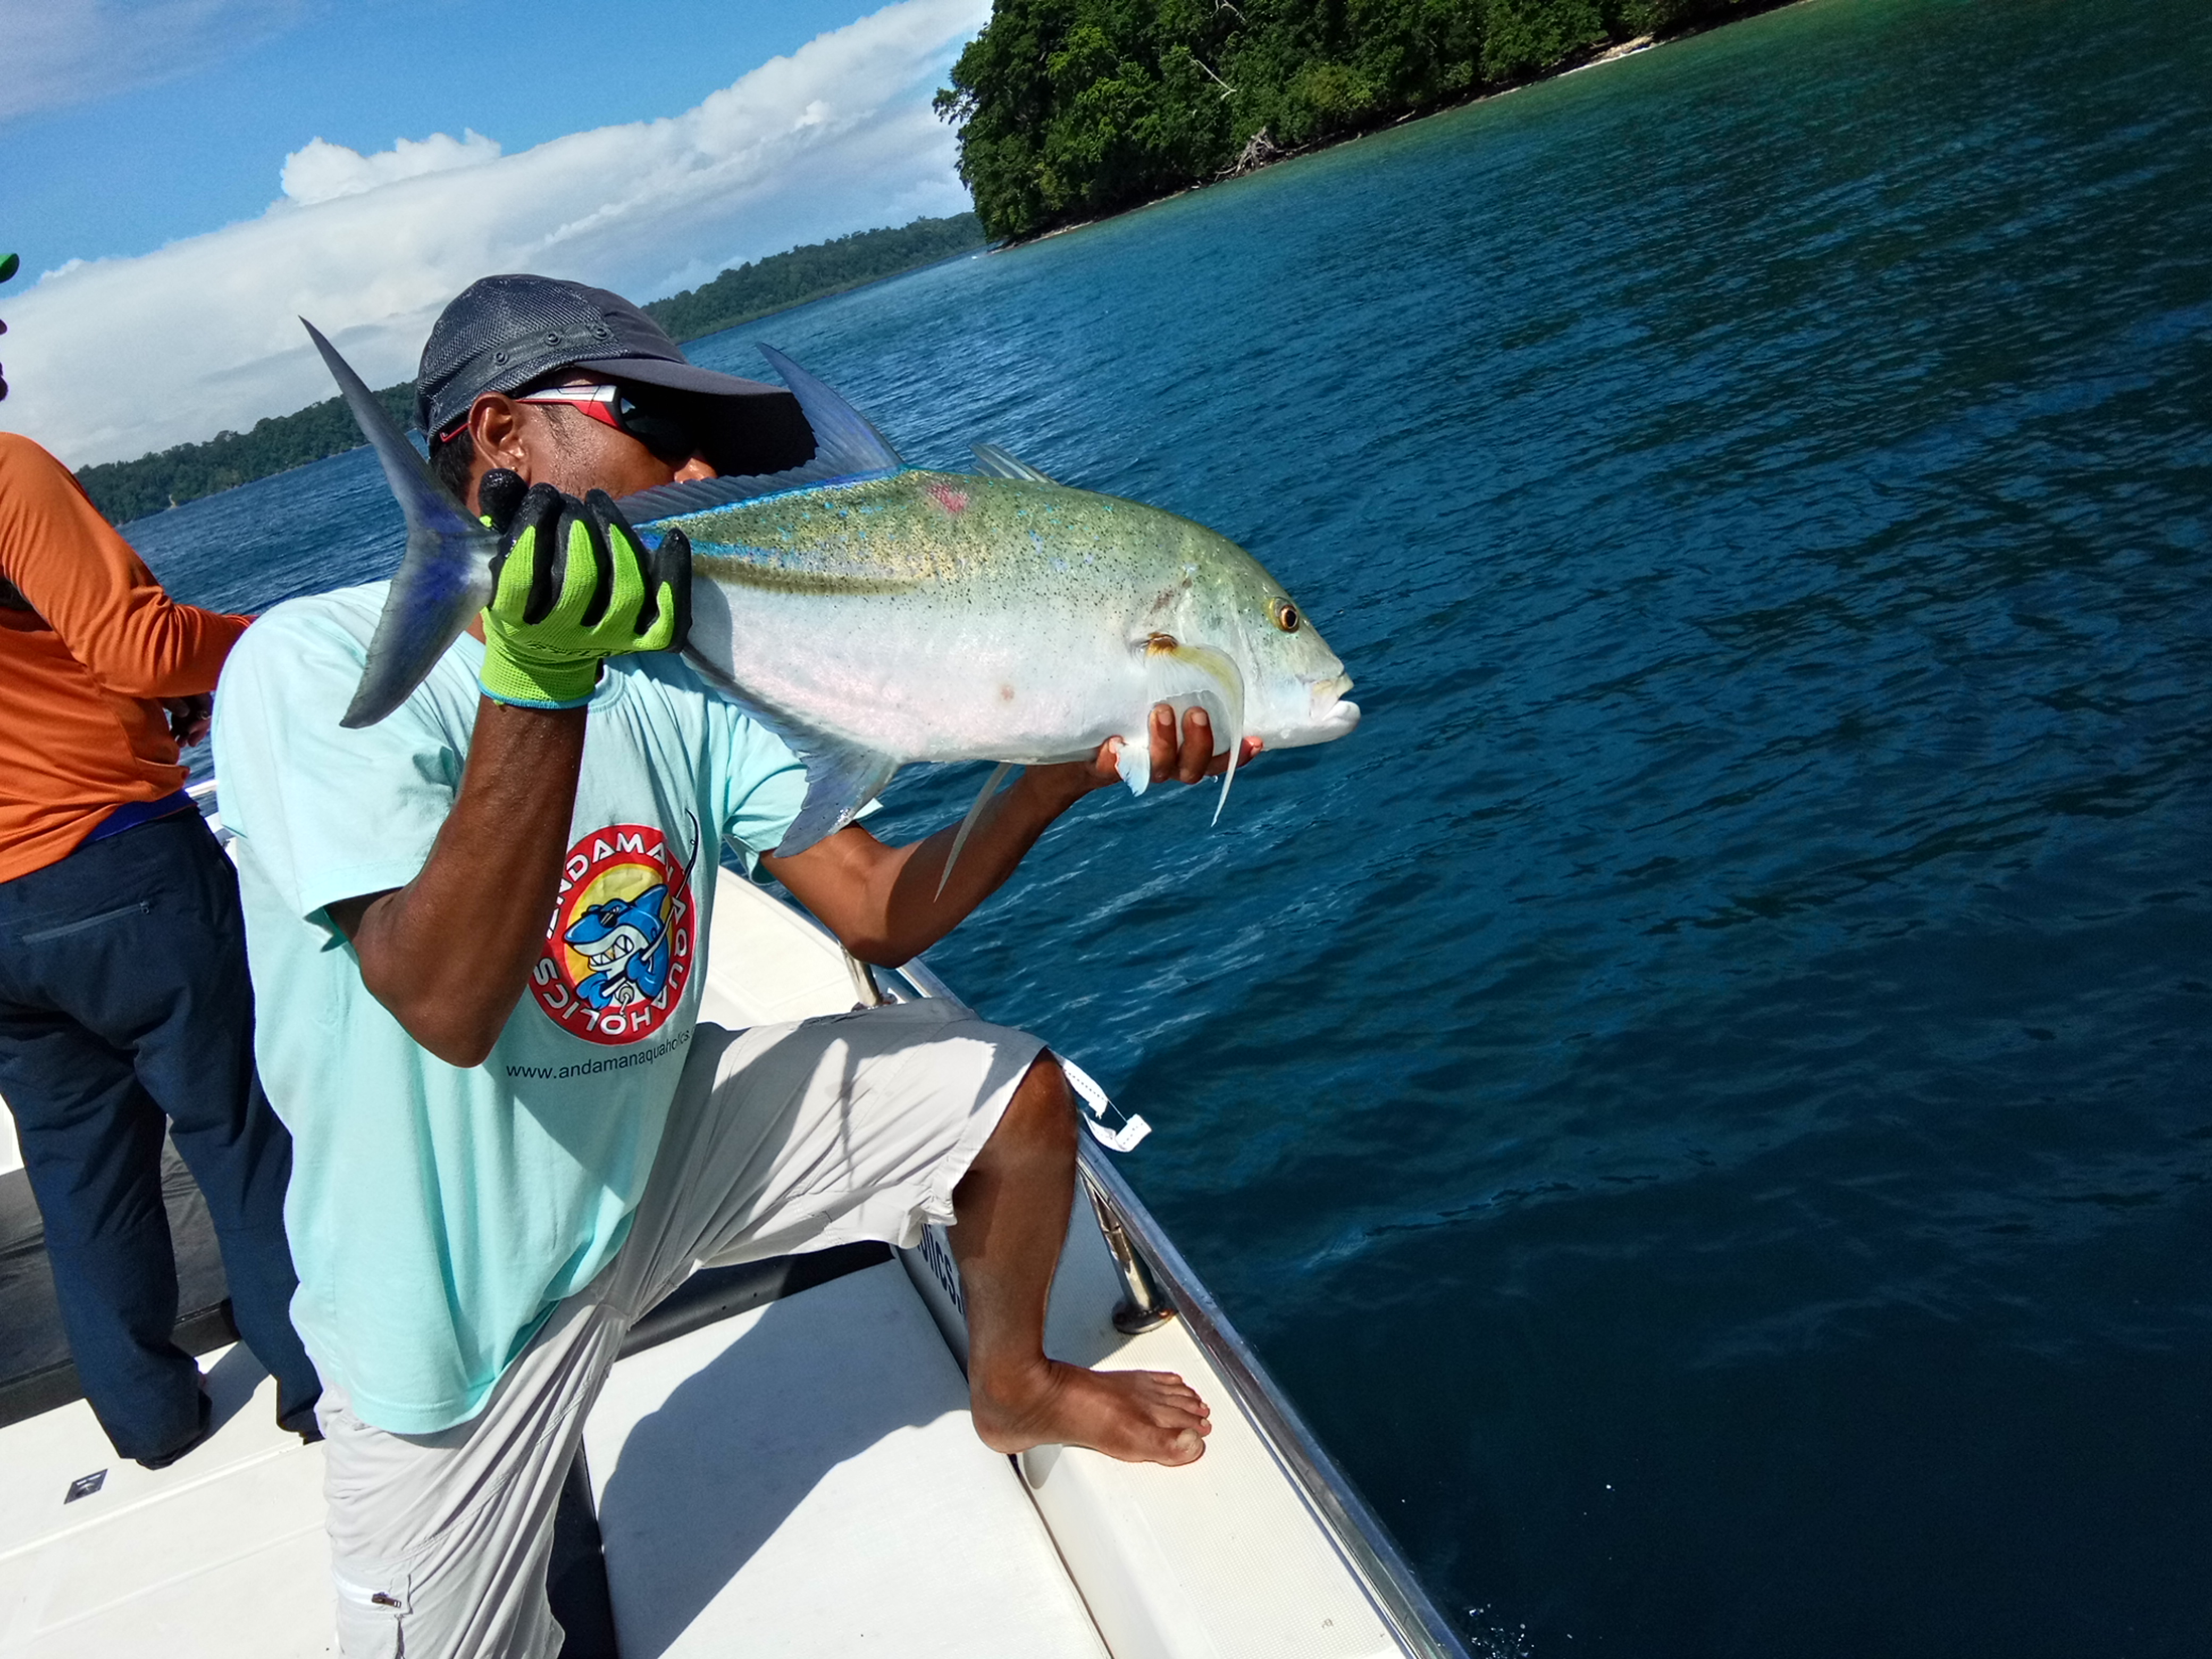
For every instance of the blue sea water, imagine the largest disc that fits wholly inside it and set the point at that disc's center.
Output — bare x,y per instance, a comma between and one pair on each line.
1702,1100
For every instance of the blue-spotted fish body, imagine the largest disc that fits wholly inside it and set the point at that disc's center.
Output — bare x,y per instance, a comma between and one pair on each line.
951,617
875,614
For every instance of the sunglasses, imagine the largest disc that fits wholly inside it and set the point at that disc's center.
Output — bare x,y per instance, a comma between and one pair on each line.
666,436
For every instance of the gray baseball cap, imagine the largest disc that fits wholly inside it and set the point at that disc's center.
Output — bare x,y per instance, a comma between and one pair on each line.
503,333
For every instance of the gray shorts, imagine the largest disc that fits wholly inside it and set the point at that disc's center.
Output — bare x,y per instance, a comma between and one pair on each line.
781,1138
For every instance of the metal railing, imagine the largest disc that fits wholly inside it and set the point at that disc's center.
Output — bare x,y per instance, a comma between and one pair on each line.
1368,1548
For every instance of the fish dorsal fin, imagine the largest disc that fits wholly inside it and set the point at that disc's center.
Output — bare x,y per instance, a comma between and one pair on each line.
445,578
842,433
995,462
847,446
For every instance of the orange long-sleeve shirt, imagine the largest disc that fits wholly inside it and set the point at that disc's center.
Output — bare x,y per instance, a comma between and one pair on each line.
83,672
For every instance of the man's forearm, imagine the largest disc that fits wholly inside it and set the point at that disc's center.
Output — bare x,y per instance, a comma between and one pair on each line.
916,915
883,903
450,953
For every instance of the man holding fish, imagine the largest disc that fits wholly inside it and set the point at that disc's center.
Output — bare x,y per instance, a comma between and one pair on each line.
513,1134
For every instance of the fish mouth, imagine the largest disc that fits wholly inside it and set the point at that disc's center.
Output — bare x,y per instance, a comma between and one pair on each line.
1343,715
1328,715
1332,712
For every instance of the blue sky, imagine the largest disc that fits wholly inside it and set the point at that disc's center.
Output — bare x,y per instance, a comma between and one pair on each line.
644,147
117,164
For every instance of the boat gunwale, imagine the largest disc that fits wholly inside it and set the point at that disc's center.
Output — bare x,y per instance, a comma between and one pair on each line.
1352,1525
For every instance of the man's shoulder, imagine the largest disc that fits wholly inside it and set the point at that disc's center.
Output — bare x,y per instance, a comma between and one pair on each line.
745,750
33,478
665,674
343,615
296,668
16,450
300,642
670,679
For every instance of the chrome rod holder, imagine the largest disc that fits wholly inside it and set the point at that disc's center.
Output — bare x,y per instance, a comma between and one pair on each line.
1143,1306
870,994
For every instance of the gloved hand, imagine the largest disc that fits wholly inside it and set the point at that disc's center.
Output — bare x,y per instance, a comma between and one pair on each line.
571,587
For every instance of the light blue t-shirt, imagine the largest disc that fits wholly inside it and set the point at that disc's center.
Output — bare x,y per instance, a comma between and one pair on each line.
436,1214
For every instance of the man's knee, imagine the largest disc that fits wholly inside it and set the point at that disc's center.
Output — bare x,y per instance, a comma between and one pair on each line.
1043,1106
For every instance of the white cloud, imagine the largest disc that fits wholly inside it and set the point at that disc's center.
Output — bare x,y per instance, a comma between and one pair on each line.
110,358
58,52
322,171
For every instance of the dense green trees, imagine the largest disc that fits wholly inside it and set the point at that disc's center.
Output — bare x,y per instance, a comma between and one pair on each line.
129,489
1071,108
783,280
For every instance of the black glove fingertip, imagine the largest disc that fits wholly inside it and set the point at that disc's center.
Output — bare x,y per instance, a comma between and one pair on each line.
542,510
671,563
604,522
499,493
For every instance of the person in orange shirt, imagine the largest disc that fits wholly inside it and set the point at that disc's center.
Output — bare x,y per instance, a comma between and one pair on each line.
123,994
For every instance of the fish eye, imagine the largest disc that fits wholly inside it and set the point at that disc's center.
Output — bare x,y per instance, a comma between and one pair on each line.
1286,616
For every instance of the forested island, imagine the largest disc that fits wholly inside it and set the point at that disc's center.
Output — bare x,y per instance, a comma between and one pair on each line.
784,280
129,489
1070,109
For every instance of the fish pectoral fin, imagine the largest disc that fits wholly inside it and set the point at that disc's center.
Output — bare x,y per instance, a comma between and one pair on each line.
1174,672
995,463
1134,761
445,577
841,778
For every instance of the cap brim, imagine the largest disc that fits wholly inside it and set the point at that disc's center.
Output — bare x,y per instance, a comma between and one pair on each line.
678,377
750,428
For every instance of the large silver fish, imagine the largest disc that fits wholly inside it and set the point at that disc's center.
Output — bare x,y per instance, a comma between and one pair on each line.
872,614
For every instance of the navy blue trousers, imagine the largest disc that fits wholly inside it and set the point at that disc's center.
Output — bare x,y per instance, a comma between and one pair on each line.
124,1000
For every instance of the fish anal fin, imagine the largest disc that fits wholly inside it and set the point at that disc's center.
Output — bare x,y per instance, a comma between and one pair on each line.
841,778
968,824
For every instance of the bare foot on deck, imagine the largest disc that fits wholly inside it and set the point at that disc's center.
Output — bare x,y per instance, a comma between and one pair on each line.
1140,1417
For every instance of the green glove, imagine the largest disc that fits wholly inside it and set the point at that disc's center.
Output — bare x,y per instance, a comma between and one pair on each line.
572,586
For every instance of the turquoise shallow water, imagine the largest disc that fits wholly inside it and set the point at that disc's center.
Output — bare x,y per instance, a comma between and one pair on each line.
1702,1100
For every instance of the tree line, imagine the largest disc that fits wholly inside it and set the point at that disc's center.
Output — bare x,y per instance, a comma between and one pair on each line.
1068,109
784,280
131,489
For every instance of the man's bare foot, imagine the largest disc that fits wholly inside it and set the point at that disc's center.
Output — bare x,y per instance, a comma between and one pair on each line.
1140,1417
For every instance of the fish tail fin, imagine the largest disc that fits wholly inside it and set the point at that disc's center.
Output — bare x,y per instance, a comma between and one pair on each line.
974,815
445,577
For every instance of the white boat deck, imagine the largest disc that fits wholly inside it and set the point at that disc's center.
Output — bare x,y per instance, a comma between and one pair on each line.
799,1480
220,1556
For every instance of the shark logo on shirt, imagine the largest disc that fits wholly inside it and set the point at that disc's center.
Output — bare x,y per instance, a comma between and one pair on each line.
626,942
620,949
